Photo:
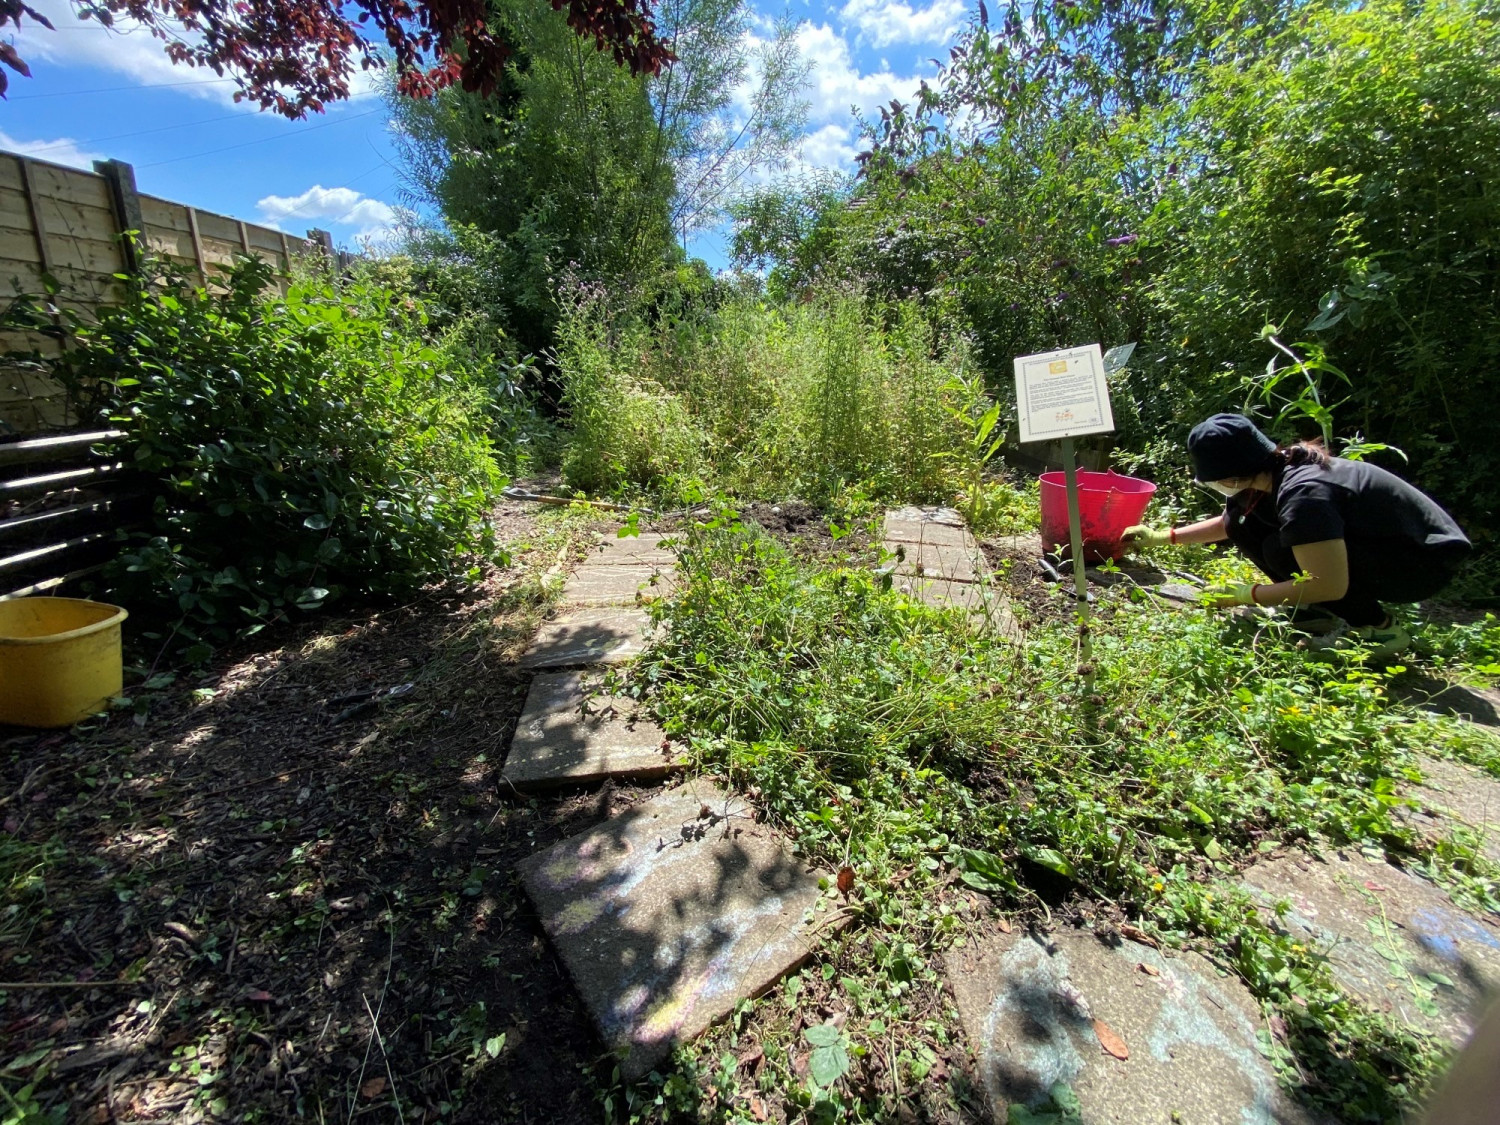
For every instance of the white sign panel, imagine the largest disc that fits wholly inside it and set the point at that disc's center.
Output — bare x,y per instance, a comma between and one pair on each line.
1062,394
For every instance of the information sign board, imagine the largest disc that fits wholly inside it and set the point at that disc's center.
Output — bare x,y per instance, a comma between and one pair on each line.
1062,394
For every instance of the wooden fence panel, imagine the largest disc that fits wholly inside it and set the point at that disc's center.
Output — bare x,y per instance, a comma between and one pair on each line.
63,222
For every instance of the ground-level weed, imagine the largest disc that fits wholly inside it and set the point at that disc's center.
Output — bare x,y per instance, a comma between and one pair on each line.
902,743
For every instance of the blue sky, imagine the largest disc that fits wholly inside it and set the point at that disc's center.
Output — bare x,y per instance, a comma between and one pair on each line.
97,93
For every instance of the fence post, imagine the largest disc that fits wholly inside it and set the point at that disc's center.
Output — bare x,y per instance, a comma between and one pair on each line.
192,214
127,201
33,203
324,242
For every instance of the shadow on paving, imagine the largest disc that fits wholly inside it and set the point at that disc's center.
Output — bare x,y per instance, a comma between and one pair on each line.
225,893
572,733
1039,1010
671,912
1433,694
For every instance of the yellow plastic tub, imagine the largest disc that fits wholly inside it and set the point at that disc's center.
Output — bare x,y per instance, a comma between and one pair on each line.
59,660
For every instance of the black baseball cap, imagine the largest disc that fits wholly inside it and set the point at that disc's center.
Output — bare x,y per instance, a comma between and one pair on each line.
1228,445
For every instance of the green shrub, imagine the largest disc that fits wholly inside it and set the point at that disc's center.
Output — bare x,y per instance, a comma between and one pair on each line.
300,447
626,430
1343,184
769,401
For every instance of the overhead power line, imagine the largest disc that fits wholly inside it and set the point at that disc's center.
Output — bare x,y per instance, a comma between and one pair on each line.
263,140
137,133
118,89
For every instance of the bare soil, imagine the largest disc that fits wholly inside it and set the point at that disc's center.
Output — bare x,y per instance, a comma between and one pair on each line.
247,878
1035,597
807,531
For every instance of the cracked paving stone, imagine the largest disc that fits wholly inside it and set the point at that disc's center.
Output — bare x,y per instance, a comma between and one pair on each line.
1454,796
616,584
645,549
1396,941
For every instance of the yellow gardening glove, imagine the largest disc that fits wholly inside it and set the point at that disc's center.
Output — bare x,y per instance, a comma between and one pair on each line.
1227,597
1142,536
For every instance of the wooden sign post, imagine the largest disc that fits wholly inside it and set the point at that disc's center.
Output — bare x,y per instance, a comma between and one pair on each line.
1062,395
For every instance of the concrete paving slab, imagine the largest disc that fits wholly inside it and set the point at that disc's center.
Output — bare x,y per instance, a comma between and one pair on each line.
915,514
1029,1003
1453,795
979,599
924,531
1020,546
671,912
588,636
1394,940
1178,593
929,560
596,583
1478,705
944,592
644,549
570,733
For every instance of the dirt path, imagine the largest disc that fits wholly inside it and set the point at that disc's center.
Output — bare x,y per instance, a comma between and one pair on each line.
237,881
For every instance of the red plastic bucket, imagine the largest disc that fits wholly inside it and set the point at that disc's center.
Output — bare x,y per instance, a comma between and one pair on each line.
1108,503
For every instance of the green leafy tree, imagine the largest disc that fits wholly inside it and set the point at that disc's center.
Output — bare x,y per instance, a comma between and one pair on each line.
714,141
547,173
1344,185
1183,174
574,167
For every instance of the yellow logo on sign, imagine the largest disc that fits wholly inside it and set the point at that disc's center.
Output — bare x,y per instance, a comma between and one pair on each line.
1057,367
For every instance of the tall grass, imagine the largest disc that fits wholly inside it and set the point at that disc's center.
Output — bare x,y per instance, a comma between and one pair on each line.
767,401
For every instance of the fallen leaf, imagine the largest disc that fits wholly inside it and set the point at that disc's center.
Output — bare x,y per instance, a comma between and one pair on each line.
186,933
1370,885
1004,925
1111,1042
846,880
757,1108
373,1088
752,1056
1149,970
1278,1027
1135,933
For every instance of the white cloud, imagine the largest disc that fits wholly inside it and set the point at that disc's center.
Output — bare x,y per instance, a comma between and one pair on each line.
837,84
376,223
337,205
130,50
884,22
832,146
62,151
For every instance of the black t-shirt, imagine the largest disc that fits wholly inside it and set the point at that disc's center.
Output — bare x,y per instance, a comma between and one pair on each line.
1351,500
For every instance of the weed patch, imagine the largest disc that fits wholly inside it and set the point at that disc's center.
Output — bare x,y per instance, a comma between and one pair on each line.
931,760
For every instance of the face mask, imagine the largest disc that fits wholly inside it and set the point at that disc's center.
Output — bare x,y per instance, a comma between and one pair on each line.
1225,490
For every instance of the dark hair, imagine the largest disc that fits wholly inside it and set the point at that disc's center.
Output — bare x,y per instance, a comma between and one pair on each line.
1302,453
